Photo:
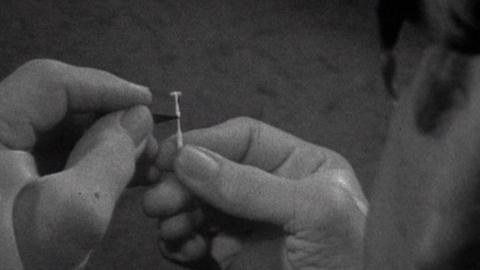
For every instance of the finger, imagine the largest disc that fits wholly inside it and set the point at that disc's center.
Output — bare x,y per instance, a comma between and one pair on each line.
153,175
146,172
190,250
240,190
346,180
180,226
151,150
176,227
166,198
105,156
73,208
39,94
242,140
18,169
225,248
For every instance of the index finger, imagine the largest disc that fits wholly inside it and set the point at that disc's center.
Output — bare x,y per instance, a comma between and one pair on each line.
39,94
242,140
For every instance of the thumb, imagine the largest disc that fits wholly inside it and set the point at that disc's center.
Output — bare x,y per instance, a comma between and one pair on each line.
240,190
105,156
72,208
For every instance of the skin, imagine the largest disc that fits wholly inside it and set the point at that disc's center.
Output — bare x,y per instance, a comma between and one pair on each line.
424,211
424,208
53,221
278,202
453,23
243,193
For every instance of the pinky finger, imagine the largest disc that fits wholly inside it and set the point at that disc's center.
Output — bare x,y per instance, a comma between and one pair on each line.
186,251
194,252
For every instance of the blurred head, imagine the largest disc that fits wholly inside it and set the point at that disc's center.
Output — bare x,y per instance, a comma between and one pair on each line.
454,24
425,208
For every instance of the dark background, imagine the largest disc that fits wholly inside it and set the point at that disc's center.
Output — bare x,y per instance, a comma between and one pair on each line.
310,67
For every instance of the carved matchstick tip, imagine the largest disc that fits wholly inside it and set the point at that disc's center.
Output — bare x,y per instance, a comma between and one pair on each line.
175,93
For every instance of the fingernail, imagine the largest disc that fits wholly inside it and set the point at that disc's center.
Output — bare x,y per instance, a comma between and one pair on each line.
139,87
137,122
196,164
146,94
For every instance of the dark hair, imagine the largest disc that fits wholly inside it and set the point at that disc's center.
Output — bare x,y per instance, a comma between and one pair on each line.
454,23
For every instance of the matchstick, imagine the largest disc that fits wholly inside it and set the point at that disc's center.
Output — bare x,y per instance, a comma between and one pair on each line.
176,95
208,262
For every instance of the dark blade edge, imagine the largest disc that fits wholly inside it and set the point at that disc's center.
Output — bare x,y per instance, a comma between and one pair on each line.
160,118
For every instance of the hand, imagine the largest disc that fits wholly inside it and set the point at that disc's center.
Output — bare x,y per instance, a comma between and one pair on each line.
53,221
281,203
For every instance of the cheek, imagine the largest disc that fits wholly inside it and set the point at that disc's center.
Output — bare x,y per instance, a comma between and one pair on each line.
424,206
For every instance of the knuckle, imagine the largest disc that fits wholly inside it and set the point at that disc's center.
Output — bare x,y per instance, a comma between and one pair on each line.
313,154
43,72
334,191
340,158
254,126
245,121
340,199
336,160
44,66
343,194
343,178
